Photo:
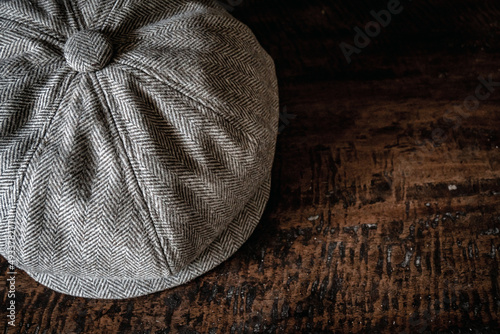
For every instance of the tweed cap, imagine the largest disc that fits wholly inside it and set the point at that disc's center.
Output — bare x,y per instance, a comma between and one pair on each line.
137,140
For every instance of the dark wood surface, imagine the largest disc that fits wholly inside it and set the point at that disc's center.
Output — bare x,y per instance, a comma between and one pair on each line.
384,213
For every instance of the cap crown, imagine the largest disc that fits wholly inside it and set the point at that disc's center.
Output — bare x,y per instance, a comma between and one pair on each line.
132,133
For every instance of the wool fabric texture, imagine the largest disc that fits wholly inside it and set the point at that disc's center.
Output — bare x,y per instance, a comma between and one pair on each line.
137,140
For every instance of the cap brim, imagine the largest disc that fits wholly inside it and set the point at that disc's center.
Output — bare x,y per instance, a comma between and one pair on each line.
231,239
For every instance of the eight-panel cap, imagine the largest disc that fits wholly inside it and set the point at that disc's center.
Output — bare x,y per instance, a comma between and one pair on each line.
137,140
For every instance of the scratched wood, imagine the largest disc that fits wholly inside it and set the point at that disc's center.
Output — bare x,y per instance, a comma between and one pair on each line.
384,213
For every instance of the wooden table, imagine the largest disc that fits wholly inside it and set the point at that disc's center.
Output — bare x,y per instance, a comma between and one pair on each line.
384,213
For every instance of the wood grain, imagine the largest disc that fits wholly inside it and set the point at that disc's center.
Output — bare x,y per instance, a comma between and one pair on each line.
378,222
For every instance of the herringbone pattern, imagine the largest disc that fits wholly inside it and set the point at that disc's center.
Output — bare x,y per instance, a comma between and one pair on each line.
127,174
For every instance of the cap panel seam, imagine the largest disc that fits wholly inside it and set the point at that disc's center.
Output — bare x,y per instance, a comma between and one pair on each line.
39,146
60,39
172,84
143,197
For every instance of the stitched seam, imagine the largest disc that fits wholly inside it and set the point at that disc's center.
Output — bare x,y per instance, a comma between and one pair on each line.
136,177
170,83
27,164
36,29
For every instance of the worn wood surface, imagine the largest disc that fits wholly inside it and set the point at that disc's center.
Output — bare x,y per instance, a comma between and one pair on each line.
384,213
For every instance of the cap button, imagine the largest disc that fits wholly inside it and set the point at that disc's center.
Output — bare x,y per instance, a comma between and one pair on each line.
87,51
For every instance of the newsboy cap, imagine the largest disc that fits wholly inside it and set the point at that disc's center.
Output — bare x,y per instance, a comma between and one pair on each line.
137,140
